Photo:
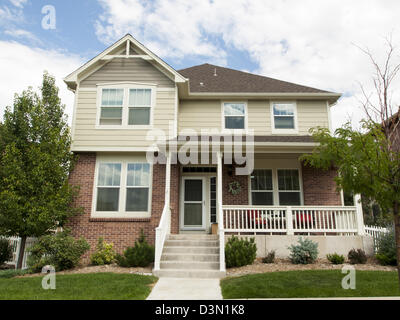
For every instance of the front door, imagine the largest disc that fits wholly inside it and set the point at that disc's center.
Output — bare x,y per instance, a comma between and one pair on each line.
193,204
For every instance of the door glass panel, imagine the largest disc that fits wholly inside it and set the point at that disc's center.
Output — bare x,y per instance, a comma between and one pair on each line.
193,214
193,190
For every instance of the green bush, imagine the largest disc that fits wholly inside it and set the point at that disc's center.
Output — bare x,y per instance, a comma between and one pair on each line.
386,254
60,250
11,273
303,253
105,253
240,252
5,251
141,255
357,256
270,257
335,258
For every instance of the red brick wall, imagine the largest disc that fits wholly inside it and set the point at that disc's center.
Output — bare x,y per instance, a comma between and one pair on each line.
122,232
319,187
228,198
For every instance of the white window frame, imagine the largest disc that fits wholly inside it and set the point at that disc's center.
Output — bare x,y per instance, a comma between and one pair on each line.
225,130
121,213
275,184
125,105
300,184
271,191
284,131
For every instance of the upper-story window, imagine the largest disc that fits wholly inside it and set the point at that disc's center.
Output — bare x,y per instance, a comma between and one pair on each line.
125,106
234,115
284,117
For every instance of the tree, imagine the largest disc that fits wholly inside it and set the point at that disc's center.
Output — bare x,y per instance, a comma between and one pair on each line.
368,159
35,162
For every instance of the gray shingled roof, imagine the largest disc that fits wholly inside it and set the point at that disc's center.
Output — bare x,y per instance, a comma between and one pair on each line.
202,78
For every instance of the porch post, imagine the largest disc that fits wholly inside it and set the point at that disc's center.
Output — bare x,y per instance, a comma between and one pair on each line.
359,213
220,214
167,188
289,221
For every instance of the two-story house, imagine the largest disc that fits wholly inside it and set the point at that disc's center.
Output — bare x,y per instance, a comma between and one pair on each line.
131,106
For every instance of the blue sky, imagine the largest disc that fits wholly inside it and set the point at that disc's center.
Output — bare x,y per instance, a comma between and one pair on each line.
306,42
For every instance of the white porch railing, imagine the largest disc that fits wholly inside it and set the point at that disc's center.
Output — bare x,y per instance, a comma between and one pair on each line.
291,220
15,243
376,233
162,232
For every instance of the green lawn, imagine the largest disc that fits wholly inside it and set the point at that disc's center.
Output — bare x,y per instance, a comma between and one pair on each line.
311,283
95,286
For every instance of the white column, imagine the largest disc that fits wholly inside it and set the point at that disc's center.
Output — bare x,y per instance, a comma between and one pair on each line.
359,214
168,188
289,221
220,214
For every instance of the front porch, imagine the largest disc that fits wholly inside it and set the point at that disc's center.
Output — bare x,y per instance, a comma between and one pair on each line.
307,202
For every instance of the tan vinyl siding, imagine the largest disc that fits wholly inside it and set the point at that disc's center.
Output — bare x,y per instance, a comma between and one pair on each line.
86,134
311,114
207,114
199,114
137,70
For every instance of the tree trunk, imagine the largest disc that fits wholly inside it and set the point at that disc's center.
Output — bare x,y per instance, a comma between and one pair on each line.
397,236
21,252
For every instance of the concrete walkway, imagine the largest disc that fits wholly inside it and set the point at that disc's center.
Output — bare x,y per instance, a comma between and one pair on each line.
186,289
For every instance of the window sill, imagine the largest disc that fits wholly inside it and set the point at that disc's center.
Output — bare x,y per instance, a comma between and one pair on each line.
117,219
138,127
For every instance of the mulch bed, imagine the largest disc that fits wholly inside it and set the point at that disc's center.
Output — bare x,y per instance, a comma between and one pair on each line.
286,265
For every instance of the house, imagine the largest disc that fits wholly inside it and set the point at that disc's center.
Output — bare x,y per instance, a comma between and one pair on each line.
194,155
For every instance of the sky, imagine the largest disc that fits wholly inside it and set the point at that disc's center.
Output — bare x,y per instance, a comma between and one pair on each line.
314,43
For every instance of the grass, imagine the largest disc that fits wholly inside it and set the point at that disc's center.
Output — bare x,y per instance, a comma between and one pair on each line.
310,284
95,286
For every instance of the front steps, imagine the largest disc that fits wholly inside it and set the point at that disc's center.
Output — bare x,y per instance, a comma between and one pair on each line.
190,256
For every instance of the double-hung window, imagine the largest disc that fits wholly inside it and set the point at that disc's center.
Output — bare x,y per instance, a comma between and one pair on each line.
289,187
284,117
123,188
108,187
234,115
137,187
125,106
262,192
111,106
139,106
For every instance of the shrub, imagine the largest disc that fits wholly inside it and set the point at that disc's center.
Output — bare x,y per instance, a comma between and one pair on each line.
335,258
141,255
60,250
270,257
357,256
11,273
386,254
240,252
105,253
5,251
303,253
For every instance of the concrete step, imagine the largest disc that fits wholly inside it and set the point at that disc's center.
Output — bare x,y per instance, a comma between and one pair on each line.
191,243
190,236
184,249
194,273
189,265
210,257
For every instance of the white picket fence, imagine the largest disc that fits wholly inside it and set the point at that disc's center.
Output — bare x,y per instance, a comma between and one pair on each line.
375,232
15,244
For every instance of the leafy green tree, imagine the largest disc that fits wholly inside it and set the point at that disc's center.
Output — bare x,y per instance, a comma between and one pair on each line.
368,158
35,162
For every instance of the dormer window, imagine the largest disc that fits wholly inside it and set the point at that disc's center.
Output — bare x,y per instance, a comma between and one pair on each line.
125,106
284,117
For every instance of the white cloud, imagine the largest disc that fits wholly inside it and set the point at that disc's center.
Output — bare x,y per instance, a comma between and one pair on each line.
23,66
20,33
19,3
307,42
